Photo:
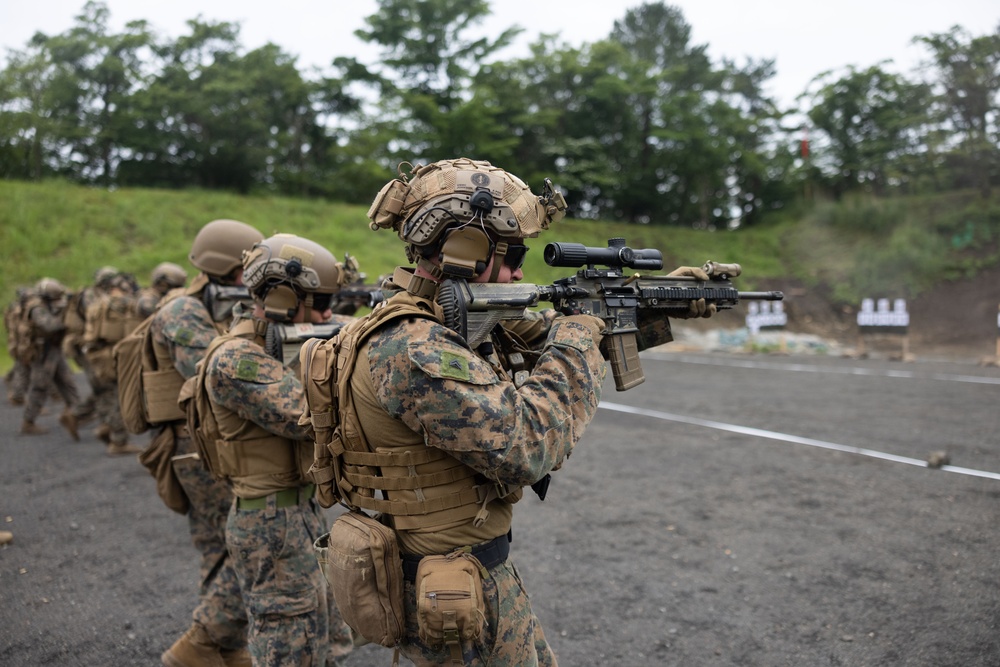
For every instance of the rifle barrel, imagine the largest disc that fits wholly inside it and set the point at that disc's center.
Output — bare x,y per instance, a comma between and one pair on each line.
762,296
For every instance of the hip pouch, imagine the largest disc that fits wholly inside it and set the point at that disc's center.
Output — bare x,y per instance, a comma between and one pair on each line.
450,607
360,560
158,460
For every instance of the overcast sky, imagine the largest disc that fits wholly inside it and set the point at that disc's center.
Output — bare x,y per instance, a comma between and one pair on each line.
805,37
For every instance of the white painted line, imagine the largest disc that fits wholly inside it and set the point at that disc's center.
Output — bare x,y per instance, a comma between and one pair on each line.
784,437
806,368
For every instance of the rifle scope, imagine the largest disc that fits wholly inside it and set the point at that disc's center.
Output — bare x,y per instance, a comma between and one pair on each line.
616,255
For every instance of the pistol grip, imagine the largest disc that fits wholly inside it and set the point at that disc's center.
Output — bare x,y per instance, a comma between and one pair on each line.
623,354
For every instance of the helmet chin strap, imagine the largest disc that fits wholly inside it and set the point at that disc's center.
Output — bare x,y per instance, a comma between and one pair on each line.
430,267
498,257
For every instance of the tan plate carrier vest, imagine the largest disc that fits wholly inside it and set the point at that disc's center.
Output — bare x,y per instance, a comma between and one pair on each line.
274,461
148,382
347,468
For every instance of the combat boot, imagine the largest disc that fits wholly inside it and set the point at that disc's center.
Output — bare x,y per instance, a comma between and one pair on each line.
69,423
102,433
121,448
194,649
31,428
237,658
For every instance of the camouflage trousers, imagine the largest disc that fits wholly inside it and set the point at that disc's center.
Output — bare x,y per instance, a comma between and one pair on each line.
512,636
293,618
220,608
85,407
17,380
49,371
108,411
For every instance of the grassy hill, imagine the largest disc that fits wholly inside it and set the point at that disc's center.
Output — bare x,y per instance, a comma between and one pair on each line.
844,250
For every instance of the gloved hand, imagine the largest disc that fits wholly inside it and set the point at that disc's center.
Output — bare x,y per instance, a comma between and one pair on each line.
698,307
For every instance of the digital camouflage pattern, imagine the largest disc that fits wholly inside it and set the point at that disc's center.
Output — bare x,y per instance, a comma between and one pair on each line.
17,380
242,378
293,618
72,345
183,328
425,377
18,376
220,608
49,370
512,635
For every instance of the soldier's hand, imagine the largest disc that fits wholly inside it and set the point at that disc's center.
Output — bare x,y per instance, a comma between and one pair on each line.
691,271
594,324
697,307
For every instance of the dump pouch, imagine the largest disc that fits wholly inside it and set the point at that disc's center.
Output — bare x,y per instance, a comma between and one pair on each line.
158,460
361,561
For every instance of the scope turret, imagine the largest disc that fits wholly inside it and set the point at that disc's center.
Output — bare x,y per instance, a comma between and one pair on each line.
617,255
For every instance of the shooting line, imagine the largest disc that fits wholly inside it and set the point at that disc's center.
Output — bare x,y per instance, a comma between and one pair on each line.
794,439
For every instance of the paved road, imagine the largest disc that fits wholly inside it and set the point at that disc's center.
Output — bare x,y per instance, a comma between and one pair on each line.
703,520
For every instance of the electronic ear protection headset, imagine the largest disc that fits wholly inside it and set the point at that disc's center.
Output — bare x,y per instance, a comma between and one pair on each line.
280,302
465,252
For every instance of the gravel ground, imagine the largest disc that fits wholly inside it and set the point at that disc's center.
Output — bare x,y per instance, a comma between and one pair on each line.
714,527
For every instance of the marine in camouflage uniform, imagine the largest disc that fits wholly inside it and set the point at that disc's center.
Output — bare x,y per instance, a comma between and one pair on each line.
508,409
181,331
48,367
165,277
109,318
19,375
264,452
75,318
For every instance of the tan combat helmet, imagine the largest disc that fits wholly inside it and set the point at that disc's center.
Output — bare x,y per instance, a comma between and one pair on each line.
284,270
456,208
169,275
50,289
104,275
218,248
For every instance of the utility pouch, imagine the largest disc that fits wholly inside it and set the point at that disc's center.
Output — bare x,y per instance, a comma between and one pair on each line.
157,458
450,607
102,363
361,561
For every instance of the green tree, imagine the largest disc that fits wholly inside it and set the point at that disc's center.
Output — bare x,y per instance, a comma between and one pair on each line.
873,125
428,62
29,120
65,98
968,70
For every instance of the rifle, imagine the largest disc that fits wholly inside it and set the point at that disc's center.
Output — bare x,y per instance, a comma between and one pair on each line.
283,341
354,296
474,309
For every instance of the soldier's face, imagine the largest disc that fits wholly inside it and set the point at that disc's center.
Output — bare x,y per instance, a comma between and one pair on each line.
320,316
505,275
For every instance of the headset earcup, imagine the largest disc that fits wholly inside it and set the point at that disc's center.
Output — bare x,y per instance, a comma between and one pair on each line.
281,303
465,252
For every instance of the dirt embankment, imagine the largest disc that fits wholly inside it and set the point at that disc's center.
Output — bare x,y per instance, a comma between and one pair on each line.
957,319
